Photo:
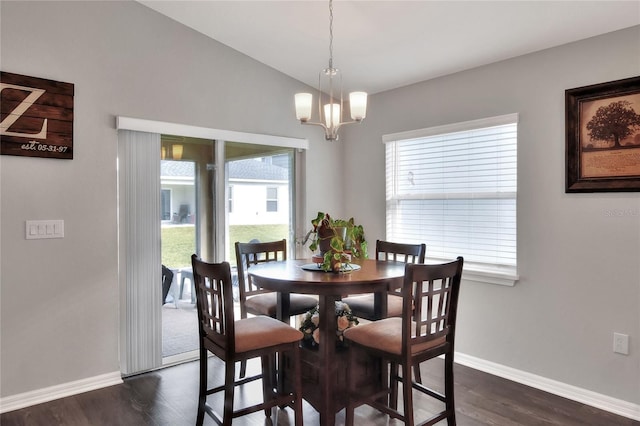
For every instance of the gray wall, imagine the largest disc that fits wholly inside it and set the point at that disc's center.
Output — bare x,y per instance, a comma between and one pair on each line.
579,266
59,307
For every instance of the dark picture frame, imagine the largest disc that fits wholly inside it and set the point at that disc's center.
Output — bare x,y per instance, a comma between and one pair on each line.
603,137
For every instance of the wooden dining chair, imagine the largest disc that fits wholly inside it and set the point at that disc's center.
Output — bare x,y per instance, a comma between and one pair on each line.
258,301
426,330
363,305
232,341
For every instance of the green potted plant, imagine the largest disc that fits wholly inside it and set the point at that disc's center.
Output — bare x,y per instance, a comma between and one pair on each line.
338,241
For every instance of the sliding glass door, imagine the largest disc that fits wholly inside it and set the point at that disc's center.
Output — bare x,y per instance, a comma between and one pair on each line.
184,190
187,178
255,184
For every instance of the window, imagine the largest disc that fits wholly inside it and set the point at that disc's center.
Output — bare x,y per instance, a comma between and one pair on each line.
230,200
255,180
454,188
272,199
165,204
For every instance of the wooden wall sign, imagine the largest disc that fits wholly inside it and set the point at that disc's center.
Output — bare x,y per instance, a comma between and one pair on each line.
36,117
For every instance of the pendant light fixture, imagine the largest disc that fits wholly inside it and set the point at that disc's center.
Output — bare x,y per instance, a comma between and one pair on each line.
330,100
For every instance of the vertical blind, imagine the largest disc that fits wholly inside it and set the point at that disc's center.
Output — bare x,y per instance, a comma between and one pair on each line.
139,251
454,188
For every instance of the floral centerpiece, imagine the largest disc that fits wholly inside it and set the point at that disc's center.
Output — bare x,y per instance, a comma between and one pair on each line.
311,321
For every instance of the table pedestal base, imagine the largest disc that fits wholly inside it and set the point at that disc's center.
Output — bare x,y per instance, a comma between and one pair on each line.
369,376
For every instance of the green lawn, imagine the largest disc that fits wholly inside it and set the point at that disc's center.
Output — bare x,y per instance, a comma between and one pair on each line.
178,242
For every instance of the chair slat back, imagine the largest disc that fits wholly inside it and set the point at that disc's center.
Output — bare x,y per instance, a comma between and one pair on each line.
430,294
407,253
399,252
248,254
214,301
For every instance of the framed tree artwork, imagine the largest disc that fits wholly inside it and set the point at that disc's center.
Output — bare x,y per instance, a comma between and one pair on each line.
603,137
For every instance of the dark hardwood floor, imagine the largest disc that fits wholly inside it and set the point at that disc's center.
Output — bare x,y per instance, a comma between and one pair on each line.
169,397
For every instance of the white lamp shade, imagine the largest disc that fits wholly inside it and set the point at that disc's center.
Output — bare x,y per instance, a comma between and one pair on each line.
332,114
358,103
303,106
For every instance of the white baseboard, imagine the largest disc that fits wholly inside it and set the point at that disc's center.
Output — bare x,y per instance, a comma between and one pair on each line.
39,396
594,399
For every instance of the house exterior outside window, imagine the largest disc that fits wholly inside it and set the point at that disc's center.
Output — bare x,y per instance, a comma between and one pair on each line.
272,199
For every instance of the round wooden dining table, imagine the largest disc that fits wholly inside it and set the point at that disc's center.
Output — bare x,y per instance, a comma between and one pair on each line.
302,276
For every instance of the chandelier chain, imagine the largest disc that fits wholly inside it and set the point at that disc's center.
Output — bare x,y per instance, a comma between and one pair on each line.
330,35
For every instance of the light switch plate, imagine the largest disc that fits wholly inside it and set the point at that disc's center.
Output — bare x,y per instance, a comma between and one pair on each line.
39,229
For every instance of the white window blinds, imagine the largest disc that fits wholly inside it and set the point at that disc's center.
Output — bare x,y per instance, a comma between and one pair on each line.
454,188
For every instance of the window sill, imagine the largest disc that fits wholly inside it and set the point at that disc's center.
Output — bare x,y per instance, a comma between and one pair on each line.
490,276
487,274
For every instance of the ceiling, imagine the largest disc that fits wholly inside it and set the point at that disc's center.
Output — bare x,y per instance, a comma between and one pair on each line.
382,45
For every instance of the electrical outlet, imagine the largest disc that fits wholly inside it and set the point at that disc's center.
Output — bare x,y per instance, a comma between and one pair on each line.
621,343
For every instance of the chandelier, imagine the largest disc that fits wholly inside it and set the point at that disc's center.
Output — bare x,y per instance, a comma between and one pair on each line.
330,102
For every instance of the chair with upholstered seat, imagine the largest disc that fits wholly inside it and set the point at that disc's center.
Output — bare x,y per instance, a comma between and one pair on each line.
258,301
232,341
363,305
426,330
